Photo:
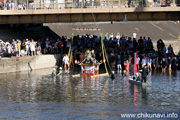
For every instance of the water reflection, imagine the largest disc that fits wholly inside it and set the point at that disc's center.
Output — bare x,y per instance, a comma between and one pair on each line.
86,98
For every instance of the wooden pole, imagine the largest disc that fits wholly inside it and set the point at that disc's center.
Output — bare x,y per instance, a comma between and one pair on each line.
45,4
174,4
27,4
81,3
64,4
100,75
56,4
119,3
77,75
108,3
160,3
71,3
15,4
4,4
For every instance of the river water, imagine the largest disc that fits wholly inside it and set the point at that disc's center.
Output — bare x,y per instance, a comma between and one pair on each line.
37,96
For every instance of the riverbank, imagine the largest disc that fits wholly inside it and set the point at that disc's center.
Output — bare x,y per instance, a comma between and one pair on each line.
14,64
168,31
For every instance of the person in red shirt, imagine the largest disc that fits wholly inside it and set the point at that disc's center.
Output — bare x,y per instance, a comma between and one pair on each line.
59,47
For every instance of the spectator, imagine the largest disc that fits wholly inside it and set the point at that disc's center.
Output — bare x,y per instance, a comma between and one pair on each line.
129,3
27,46
149,63
169,64
1,6
32,47
119,63
170,50
155,3
19,47
111,36
115,46
144,3
38,50
9,50
156,64
163,65
12,5
134,35
174,64
20,6
144,61
8,5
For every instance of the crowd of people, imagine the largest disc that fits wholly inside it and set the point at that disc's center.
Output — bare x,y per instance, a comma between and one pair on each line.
120,50
19,48
30,47
10,5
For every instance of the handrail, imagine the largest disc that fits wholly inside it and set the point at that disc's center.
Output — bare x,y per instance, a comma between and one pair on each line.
88,4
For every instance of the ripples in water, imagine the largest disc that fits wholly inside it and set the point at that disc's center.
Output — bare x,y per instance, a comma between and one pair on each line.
37,95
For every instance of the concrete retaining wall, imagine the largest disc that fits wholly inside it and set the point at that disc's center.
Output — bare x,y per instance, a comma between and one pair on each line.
14,64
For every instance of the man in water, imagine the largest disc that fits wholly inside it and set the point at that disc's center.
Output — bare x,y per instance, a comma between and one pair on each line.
66,62
144,73
53,73
174,64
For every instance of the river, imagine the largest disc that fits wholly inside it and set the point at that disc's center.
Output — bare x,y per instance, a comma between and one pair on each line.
37,96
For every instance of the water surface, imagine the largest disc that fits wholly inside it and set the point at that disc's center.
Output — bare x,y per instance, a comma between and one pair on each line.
36,95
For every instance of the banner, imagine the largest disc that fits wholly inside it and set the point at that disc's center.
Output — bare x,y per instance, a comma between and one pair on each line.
135,63
91,29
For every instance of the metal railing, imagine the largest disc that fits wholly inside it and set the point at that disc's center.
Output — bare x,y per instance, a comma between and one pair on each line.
88,4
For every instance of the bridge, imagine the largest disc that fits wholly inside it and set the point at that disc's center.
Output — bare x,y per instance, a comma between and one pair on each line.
89,15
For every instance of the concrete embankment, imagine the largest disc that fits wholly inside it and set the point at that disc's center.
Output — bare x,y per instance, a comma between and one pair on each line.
168,31
14,64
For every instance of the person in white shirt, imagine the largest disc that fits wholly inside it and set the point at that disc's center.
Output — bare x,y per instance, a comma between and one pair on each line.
9,50
106,35
19,6
66,62
118,39
111,36
16,49
32,46
144,61
134,35
27,46
138,60
118,36
149,62
7,43
12,5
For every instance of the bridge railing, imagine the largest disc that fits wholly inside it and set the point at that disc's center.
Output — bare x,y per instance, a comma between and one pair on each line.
66,4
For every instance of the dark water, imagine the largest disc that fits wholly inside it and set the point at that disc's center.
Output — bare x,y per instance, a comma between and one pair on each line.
37,96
